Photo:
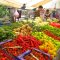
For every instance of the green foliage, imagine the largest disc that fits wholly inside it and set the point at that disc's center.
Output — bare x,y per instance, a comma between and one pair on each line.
3,11
6,33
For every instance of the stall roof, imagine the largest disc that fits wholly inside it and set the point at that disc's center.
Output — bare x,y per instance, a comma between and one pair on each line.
10,3
29,3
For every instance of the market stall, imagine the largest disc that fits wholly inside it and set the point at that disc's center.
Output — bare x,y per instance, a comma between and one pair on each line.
30,37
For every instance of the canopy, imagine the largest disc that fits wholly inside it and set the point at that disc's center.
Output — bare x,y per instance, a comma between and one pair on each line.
10,3
29,3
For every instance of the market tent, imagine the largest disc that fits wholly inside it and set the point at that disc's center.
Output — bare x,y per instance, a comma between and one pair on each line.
10,3
43,2
29,3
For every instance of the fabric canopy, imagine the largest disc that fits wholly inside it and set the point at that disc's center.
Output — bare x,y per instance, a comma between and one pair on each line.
41,3
29,3
10,3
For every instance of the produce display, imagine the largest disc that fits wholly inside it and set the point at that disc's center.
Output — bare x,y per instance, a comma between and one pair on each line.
55,31
35,55
47,43
39,22
4,56
29,34
52,20
54,24
6,34
25,42
24,30
51,35
43,37
49,47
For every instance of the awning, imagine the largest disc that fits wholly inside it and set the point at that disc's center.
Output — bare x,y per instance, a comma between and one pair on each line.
10,3
43,2
29,3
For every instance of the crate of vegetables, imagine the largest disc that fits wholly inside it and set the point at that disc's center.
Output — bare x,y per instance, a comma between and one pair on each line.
34,54
4,54
17,48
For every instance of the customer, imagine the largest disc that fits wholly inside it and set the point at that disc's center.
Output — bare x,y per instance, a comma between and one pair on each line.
16,15
31,14
47,14
23,7
40,12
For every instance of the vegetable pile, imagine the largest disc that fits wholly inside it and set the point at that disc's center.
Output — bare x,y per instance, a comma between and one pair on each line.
4,56
29,34
55,31
47,43
57,25
22,42
5,34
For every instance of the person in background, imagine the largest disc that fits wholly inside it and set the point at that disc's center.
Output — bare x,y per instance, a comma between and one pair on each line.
54,14
31,13
34,11
37,13
19,11
11,11
16,15
23,7
47,14
40,12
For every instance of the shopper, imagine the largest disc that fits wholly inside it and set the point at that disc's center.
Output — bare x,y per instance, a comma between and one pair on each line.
23,7
37,13
12,10
47,14
31,14
40,12
16,15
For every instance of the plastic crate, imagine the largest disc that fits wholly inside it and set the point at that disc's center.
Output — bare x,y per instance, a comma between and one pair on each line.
17,54
31,55
4,54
